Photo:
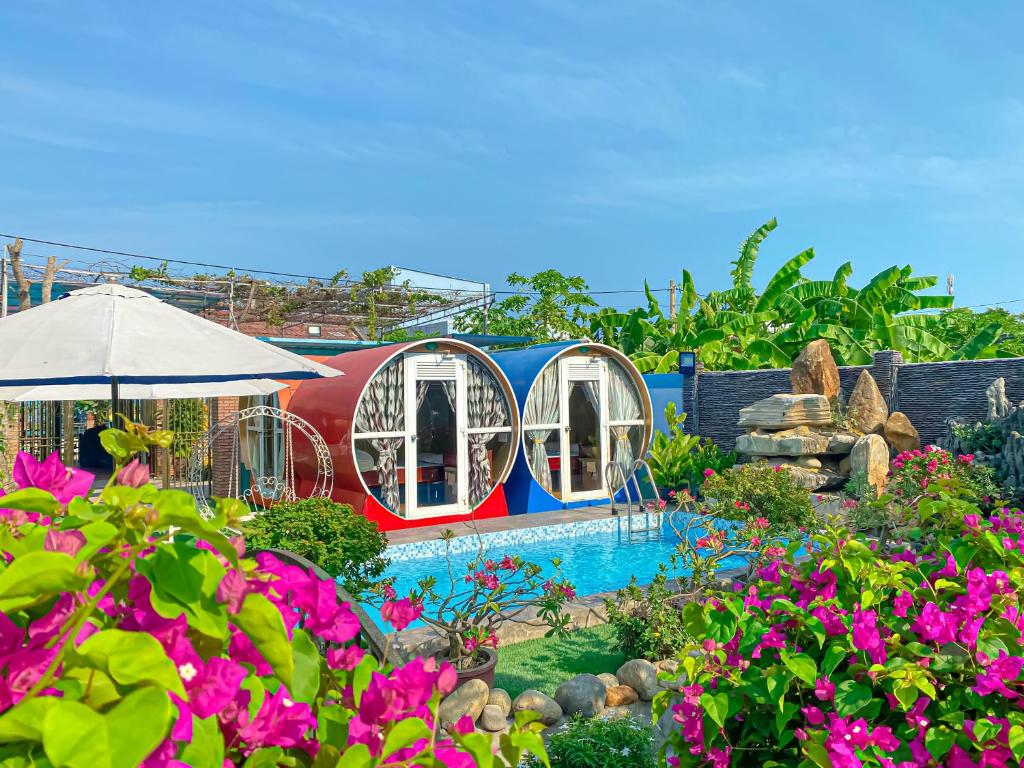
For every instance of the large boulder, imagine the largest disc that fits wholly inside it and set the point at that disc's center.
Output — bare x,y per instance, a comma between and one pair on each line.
534,701
641,676
470,698
583,695
621,696
900,433
785,411
841,442
867,409
820,479
815,372
870,457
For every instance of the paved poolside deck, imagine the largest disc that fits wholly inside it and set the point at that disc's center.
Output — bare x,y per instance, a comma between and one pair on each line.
470,527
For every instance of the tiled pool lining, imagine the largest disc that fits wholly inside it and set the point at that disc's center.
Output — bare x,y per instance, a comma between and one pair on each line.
511,538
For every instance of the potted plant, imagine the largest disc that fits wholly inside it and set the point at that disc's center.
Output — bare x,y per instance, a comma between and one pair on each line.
480,596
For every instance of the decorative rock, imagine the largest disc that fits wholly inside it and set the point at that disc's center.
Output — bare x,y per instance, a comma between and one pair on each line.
609,680
867,408
815,372
667,665
535,701
641,676
499,698
900,433
844,466
807,462
841,442
785,411
583,695
870,456
999,405
799,441
493,719
814,479
468,699
621,696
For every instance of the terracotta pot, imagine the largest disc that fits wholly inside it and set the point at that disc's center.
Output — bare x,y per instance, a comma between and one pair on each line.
483,671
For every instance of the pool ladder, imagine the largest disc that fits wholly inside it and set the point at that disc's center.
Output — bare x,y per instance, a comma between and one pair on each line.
615,480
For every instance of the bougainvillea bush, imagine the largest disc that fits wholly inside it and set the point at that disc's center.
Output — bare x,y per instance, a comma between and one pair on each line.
133,633
908,657
759,490
913,472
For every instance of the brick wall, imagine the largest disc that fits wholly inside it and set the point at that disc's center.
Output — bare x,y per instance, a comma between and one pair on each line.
224,461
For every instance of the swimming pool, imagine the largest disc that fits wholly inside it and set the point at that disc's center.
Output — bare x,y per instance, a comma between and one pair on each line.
597,555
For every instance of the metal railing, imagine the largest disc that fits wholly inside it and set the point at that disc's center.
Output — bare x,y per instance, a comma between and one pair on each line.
616,481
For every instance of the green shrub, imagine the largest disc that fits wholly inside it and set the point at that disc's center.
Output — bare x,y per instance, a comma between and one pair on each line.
343,543
979,438
678,459
648,621
614,743
759,490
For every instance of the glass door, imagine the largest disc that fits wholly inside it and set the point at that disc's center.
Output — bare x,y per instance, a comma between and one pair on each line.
584,434
436,455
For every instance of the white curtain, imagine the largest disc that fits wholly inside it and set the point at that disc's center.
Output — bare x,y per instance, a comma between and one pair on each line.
486,407
383,410
623,405
541,408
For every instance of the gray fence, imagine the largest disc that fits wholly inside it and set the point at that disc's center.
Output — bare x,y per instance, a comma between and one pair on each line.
928,393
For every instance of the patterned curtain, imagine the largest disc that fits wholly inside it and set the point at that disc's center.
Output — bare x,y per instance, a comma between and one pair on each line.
486,407
623,405
542,408
383,410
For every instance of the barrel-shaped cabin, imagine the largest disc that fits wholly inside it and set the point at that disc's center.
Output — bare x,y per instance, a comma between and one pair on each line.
583,406
420,433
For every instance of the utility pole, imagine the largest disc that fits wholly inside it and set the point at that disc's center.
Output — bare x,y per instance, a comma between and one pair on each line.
672,299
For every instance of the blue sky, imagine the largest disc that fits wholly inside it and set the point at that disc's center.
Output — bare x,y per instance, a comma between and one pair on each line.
616,140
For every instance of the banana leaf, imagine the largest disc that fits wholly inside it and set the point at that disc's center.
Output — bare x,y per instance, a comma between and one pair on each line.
743,271
786,277
977,345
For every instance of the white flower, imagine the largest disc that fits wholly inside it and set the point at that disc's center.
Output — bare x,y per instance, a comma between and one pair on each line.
187,671
287,702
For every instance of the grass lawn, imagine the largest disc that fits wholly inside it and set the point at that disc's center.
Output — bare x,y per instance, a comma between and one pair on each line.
547,662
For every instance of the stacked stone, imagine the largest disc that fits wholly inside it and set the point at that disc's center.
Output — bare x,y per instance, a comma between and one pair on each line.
799,431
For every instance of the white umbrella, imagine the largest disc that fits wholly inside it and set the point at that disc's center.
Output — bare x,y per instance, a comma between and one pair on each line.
140,391
115,336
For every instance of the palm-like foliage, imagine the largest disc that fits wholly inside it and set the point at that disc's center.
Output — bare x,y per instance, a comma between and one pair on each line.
739,328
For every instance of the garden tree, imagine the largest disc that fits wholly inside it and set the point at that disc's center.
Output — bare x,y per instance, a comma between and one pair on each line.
741,328
957,326
547,306
49,273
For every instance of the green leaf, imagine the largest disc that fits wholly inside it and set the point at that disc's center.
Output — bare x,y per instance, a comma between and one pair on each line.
24,721
306,681
75,736
184,580
262,624
404,734
207,744
851,697
1016,742
817,754
905,692
120,444
356,756
177,509
32,500
938,741
97,535
985,730
783,717
801,665
37,576
716,706
833,655
131,658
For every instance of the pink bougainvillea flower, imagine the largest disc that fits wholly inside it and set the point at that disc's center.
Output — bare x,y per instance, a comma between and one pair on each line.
280,722
346,658
709,472
68,542
997,673
901,603
824,689
401,613
812,715
51,475
134,475
866,636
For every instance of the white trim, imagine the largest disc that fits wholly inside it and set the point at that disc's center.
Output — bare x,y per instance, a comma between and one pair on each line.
375,435
484,430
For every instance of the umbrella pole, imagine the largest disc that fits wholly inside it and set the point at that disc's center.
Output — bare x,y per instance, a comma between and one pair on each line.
115,400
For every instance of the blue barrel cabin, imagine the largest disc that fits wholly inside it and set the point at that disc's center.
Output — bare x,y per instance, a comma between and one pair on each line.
583,406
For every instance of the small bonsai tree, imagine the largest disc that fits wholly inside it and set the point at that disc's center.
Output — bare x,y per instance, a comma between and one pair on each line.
484,594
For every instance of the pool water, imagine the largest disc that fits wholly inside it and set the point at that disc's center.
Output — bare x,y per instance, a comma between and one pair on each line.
597,556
